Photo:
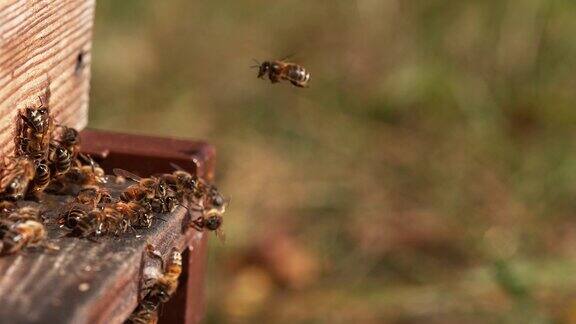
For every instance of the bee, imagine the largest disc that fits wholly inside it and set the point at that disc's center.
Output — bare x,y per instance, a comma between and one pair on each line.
59,158
157,290
281,70
38,118
145,313
30,148
92,195
79,219
135,213
69,138
211,220
181,182
41,179
136,192
33,130
15,236
84,175
25,214
153,190
6,208
112,221
84,222
166,284
16,177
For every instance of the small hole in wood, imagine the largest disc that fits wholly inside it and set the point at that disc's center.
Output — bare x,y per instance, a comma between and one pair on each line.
80,62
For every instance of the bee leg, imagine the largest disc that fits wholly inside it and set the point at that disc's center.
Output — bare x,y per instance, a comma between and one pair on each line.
155,254
92,239
296,84
273,78
197,224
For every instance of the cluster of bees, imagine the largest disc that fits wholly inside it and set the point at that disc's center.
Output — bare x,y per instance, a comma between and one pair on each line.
43,152
47,159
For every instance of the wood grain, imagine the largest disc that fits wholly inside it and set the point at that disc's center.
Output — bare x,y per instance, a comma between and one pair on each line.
44,43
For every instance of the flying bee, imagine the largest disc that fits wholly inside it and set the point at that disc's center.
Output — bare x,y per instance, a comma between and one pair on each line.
15,236
281,70
16,177
59,158
93,195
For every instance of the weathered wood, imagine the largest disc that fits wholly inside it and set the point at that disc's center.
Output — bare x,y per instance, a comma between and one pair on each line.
44,43
88,282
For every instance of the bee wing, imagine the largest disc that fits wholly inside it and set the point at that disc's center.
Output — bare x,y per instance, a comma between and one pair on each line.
126,174
288,56
176,167
179,168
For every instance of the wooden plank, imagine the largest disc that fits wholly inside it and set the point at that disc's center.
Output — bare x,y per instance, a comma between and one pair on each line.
44,43
88,282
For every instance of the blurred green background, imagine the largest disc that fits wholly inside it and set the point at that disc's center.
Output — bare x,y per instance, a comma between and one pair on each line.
427,175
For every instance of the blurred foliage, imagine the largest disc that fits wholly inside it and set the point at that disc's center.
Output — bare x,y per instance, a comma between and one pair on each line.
427,175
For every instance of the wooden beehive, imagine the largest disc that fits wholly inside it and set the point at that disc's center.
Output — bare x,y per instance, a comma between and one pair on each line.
44,44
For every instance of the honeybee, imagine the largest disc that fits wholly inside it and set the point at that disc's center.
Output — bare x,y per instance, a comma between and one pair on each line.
26,213
135,213
60,158
84,175
41,179
153,190
143,189
69,138
38,118
92,195
33,130
166,284
145,313
112,221
15,236
30,148
80,221
211,220
157,290
16,177
181,182
281,70
6,208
